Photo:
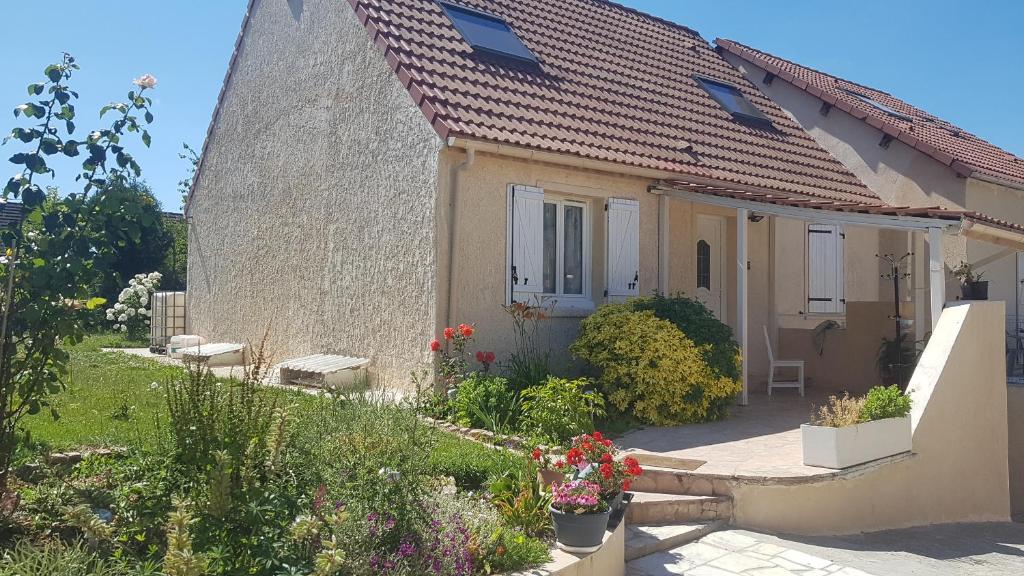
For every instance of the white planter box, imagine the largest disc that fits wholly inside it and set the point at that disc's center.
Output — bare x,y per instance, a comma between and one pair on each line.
851,445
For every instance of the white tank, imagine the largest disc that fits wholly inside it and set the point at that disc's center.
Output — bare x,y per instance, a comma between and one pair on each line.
167,319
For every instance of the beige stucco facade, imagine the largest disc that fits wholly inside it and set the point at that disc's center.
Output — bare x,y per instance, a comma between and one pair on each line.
314,212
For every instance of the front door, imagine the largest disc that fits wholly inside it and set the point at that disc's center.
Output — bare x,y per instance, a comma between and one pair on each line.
711,263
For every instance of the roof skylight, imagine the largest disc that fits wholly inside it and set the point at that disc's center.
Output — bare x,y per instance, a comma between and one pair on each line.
487,33
730,98
878,105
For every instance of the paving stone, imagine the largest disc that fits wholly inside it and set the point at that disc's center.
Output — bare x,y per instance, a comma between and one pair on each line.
739,563
700,552
769,549
731,540
804,559
773,571
660,564
709,571
847,571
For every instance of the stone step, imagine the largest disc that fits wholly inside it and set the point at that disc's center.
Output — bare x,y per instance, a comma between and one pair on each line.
674,481
651,508
642,540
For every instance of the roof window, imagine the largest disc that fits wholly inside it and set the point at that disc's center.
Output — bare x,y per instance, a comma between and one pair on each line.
730,98
487,33
878,105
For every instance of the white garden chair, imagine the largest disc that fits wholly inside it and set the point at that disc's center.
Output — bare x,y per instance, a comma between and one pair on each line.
773,364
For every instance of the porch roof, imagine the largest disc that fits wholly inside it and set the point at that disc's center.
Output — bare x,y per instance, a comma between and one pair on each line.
804,207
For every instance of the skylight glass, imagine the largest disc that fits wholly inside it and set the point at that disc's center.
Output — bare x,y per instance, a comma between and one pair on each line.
487,32
730,98
879,106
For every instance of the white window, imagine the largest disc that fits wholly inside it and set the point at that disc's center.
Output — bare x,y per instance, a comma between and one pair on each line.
549,251
825,269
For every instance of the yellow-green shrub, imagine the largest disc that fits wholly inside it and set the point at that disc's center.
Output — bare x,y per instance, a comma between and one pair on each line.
646,365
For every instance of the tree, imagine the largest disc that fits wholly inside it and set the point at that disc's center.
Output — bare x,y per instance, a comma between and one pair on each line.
53,259
136,254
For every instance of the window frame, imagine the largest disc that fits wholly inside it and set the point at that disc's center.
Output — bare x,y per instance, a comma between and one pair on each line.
887,110
583,301
759,119
451,9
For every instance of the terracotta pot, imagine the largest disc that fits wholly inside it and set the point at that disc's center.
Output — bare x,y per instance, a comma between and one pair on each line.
550,477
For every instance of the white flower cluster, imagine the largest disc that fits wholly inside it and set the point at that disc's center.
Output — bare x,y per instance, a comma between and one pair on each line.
132,308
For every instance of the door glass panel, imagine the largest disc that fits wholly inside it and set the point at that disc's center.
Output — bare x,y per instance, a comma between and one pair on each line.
703,265
550,247
572,283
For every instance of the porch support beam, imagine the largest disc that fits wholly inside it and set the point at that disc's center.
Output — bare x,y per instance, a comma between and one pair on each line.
741,296
663,240
936,274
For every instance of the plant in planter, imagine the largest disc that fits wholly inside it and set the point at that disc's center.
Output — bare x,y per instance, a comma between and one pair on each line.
549,472
851,430
594,457
972,287
580,516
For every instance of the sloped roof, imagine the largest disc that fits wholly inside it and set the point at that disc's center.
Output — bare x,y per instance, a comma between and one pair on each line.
964,152
613,84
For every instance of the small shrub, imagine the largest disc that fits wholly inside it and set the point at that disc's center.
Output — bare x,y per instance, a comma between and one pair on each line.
59,559
522,501
559,409
528,365
486,402
471,464
838,412
884,402
700,325
649,367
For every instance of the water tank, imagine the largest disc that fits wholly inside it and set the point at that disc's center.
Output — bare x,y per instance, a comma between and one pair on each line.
167,319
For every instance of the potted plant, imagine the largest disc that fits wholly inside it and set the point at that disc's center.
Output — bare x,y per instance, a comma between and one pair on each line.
548,473
972,287
580,516
850,430
595,458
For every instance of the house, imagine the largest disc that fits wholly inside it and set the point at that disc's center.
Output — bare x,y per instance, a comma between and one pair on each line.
379,170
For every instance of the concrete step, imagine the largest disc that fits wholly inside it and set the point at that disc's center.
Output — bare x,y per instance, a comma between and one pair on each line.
674,481
642,540
652,508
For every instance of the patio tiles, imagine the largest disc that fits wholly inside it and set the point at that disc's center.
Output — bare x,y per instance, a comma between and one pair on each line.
760,440
731,553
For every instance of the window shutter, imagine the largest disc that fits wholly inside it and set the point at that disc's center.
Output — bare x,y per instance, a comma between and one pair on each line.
825,269
623,247
527,237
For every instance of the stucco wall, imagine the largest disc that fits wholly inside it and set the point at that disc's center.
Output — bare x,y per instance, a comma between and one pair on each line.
314,212
1015,420
959,472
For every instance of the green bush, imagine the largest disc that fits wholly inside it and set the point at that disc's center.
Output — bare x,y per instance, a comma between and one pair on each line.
59,559
559,409
483,401
472,465
884,402
649,367
700,325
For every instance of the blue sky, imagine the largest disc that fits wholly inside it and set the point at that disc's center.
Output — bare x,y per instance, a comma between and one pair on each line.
957,59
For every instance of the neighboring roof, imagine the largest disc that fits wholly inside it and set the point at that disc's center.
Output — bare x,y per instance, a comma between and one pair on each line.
964,152
613,84
176,216
11,213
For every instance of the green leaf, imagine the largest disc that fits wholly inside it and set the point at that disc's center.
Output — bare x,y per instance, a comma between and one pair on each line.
35,89
71,148
149,117
146,138
32,197
49,146
94,303
70,126
53,72
19,158
62,97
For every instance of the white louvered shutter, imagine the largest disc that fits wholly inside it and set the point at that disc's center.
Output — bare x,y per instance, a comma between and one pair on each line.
527,216
623,251
825,269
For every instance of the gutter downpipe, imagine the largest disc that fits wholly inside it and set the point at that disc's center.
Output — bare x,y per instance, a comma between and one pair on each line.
453,189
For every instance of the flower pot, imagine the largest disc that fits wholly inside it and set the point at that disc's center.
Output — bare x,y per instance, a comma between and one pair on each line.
614,501
836,448
974,290
579,533
550,477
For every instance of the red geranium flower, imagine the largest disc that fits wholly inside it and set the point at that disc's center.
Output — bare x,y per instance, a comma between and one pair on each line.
435,345
536,453
466,330
489,357
606,471
625,485
449,333
597,436
606,458
481,357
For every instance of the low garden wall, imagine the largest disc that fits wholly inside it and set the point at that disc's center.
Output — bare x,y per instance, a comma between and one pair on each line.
959,472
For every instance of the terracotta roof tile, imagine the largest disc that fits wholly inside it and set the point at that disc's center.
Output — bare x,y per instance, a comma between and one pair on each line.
942,140
612,84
